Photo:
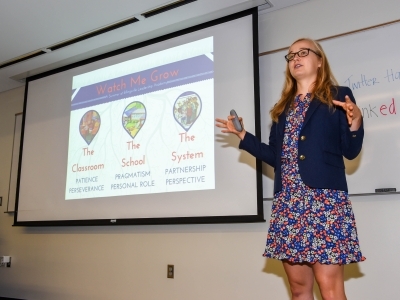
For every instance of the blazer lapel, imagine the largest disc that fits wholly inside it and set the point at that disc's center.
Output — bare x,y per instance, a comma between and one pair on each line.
311,109
281,123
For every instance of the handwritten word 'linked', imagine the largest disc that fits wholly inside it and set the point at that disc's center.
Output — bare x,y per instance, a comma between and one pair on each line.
384,110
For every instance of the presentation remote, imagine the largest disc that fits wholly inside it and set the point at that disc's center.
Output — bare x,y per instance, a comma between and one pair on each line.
236,121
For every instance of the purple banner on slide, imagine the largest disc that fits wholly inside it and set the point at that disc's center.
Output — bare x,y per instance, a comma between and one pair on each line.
166,76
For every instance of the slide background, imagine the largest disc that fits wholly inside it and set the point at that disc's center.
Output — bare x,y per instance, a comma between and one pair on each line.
159,135
158,138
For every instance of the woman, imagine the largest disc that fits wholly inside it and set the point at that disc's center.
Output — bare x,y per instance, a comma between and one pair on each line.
315,123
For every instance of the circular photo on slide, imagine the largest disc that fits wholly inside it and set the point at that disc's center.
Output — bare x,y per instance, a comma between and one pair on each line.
89,125
134,117
187,109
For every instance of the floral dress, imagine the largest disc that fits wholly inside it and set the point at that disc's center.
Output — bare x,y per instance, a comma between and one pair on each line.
309,224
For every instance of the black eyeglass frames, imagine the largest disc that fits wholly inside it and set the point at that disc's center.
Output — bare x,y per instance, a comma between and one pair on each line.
301,53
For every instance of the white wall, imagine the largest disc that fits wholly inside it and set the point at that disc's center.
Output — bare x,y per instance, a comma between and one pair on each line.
321,19
211,261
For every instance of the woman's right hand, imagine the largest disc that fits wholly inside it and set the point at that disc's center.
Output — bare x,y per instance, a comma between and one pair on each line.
228,127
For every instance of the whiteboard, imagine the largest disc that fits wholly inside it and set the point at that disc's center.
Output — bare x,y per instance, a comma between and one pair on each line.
369,63
12,188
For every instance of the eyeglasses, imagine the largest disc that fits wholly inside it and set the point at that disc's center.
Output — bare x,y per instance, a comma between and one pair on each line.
301,53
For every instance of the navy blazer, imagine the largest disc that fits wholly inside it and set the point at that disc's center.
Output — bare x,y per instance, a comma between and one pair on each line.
323,141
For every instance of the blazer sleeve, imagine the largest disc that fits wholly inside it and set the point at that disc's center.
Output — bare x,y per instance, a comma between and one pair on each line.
267,153
351,141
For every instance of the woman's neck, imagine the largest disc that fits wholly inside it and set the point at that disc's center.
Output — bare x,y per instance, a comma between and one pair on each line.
304,86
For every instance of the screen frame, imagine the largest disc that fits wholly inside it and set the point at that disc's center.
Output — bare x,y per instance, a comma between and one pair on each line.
259,217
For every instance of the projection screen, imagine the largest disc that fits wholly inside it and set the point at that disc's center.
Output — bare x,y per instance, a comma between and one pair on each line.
129,137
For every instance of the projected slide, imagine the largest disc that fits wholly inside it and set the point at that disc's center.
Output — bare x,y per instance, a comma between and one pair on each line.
144,126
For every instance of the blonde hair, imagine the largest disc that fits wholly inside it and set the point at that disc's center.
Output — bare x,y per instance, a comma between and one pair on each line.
322,88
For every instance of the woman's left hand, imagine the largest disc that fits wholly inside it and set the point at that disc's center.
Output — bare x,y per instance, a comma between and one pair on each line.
353,113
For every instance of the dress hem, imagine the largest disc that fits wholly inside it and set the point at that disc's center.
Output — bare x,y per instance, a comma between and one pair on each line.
324,262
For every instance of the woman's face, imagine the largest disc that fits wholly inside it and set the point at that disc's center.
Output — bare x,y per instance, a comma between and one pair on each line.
305,67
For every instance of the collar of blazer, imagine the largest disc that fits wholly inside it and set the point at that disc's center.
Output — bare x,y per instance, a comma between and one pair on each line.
311,109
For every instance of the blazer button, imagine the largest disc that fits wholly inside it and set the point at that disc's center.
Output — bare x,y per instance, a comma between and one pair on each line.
303,138
302,157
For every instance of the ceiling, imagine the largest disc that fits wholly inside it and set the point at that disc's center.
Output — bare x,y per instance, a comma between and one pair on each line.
28,26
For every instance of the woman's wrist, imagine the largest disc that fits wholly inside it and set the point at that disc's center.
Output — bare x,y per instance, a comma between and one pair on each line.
356,124
241,134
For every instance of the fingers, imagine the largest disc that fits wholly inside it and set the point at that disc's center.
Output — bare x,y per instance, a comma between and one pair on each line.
350,104
347,99
221,123
220,120
339,103
348,107
241,121
228,127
